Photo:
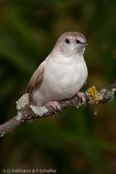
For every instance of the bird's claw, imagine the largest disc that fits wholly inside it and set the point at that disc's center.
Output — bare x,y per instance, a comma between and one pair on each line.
81,96
54,105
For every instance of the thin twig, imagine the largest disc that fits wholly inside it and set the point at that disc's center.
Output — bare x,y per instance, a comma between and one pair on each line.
27,113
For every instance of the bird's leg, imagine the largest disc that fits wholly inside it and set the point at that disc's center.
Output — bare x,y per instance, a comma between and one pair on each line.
54,105
81,96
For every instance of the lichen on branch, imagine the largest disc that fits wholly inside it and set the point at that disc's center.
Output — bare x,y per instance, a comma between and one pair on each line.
25,111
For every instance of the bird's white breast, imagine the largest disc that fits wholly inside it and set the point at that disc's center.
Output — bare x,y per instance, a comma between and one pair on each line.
62,79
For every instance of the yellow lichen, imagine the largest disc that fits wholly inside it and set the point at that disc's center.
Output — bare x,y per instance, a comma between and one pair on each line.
93,93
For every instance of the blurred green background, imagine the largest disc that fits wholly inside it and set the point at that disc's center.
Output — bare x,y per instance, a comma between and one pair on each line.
78,141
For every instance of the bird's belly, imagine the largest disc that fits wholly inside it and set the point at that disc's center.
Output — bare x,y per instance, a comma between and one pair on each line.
65,83
62,83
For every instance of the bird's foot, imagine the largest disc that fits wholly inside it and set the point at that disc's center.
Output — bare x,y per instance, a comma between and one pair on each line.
81,96
54,105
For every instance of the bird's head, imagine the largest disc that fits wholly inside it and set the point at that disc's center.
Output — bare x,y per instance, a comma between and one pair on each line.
71,43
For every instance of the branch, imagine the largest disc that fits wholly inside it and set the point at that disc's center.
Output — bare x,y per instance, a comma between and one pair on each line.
25,111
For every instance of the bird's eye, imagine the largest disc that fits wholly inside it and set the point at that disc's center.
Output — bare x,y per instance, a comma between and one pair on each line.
67,40
78,41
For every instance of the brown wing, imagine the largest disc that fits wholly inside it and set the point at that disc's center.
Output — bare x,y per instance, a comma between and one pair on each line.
36,79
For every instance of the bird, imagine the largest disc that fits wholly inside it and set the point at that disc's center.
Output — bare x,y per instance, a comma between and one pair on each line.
62,74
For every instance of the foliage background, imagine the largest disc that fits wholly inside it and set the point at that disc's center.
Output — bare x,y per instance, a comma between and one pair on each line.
76,141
